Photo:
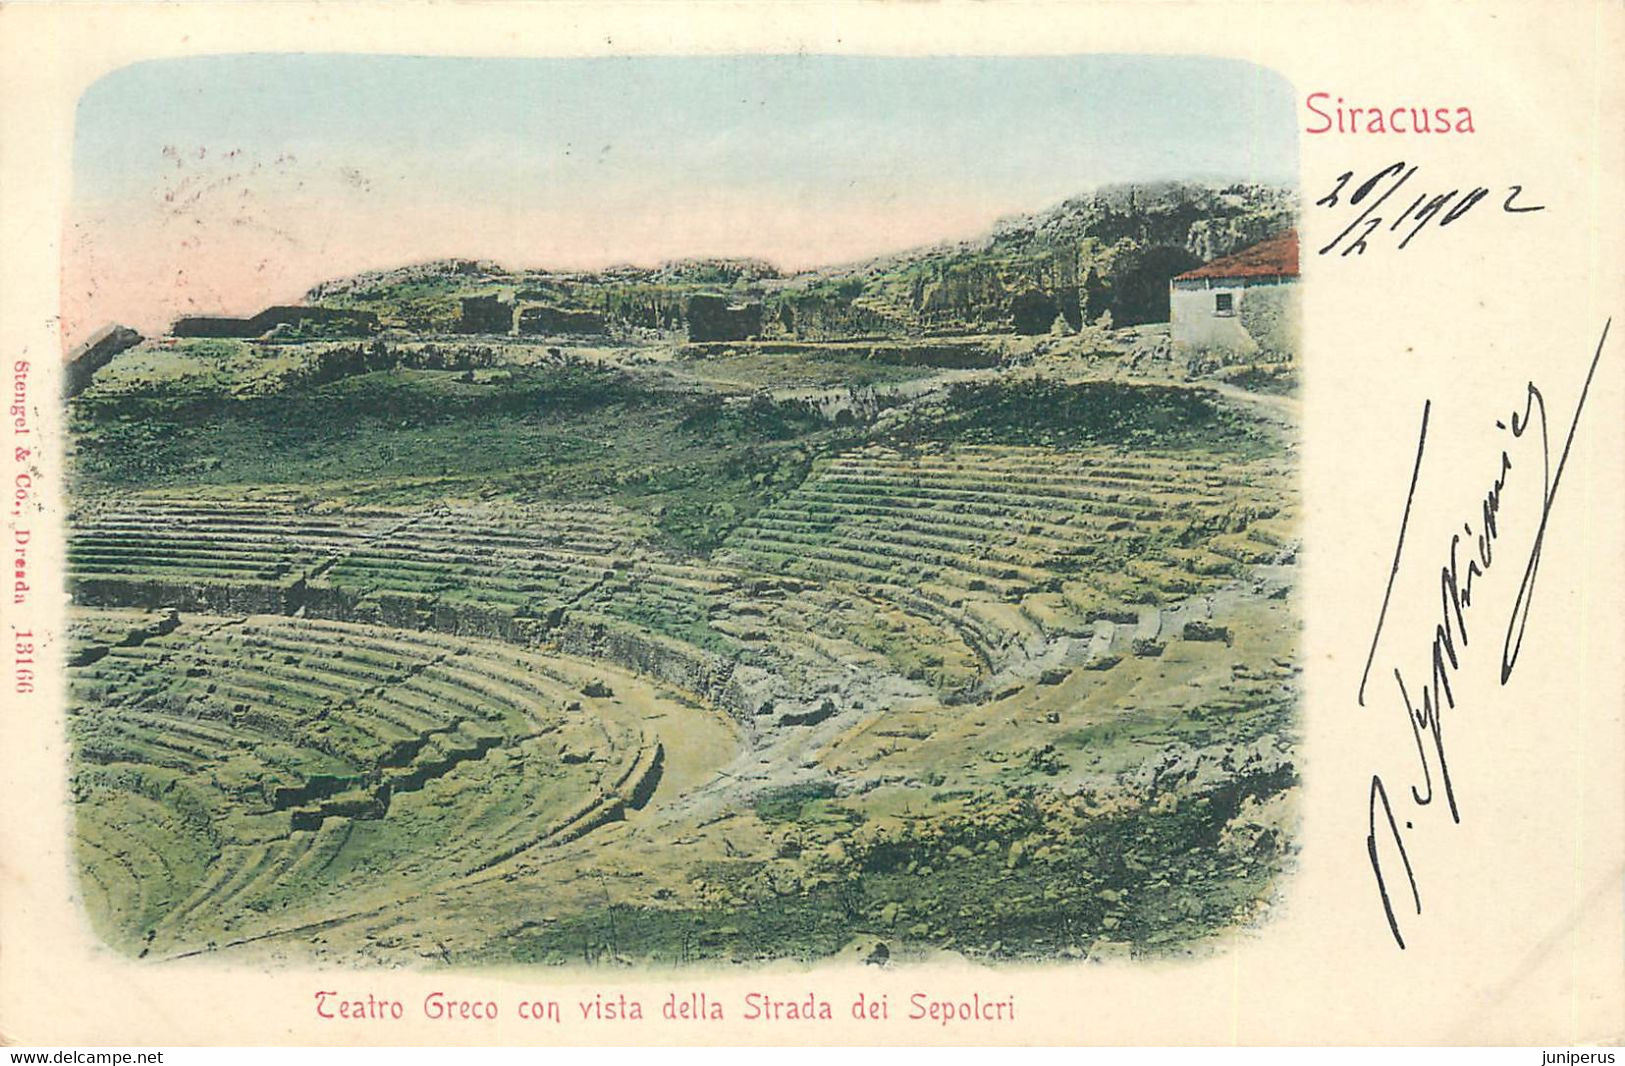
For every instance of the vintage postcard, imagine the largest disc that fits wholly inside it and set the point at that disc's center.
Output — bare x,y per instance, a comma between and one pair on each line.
828,523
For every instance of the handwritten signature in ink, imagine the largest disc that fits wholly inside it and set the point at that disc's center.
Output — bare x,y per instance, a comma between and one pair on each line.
1466,562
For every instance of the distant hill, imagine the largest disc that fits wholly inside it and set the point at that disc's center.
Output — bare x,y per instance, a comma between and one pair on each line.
1110,252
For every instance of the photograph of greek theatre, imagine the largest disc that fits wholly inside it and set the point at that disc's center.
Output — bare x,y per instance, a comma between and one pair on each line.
699,511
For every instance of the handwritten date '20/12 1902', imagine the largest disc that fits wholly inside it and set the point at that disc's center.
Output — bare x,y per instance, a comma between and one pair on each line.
1421,210
1527,428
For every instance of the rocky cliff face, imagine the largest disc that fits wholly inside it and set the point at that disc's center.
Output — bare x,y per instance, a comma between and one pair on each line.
1111,251
552,320
485,314
713,318
94,354
1108,252
1214,238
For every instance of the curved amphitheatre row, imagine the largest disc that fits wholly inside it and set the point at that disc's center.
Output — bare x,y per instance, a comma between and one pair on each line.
938,570
366,700
234,773
528,575
1010,548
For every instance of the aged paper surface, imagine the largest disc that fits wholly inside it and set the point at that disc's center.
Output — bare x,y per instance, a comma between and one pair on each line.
1425,846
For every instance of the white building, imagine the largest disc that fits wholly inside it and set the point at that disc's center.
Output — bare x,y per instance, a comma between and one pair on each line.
1243,305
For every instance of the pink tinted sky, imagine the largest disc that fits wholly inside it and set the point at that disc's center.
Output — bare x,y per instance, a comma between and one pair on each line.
224,184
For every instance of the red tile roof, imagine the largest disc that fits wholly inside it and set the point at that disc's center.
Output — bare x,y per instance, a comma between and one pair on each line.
1274,258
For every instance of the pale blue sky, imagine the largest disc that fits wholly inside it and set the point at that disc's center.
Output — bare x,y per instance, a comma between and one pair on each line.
1018,128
